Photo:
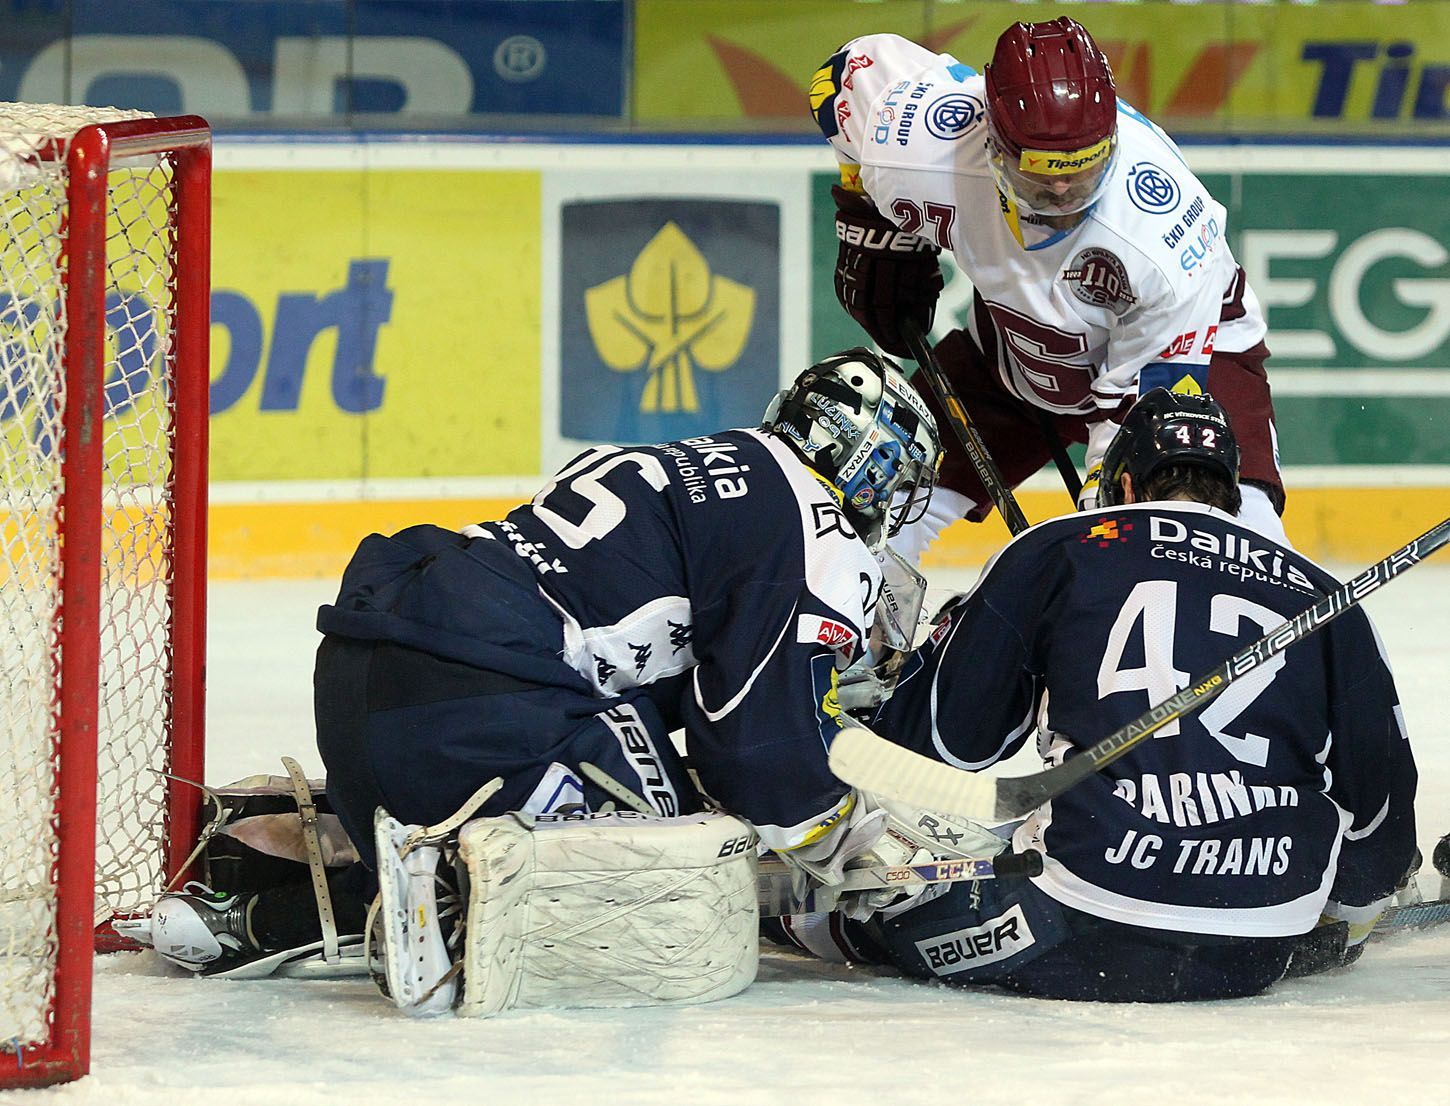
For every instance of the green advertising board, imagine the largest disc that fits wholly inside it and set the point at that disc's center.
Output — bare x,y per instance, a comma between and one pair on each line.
1352,269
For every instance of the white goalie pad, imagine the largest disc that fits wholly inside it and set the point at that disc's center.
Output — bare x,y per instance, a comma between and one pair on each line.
619,909
416,963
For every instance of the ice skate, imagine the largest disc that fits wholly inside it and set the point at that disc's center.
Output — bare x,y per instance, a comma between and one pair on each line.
200,929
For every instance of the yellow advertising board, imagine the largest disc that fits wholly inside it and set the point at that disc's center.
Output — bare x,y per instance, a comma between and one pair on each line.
1320,68
375,323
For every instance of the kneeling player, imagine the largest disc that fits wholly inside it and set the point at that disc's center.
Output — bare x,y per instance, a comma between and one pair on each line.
1259,836
718,584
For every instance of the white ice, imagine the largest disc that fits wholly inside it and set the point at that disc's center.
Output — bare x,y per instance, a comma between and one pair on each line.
804,1032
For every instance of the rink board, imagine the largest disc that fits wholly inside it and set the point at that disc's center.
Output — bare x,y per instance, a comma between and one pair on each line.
428,327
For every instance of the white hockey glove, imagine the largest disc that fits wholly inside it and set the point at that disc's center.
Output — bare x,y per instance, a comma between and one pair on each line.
1087,499
868,683
895,621
864,839
1100,436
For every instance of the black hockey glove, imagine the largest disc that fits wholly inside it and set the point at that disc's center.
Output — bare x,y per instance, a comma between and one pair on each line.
883,274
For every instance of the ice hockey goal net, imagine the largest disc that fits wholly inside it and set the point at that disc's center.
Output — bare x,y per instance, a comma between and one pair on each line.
104,289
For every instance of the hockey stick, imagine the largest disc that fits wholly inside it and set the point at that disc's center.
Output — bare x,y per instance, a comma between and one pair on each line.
1415,915
1070,479
866,760
776,896
977,454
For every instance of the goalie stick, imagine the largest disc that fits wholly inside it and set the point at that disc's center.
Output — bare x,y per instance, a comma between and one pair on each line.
977,454
866,760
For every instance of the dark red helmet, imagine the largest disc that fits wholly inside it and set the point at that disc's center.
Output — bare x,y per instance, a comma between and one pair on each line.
1049,87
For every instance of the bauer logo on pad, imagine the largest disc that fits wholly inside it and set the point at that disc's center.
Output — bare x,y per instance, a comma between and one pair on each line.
669,316
994,940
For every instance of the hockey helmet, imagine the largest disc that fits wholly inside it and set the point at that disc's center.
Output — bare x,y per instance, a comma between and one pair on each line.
1052,116
1165,428
859,423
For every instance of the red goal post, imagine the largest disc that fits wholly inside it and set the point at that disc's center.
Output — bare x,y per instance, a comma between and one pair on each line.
105,225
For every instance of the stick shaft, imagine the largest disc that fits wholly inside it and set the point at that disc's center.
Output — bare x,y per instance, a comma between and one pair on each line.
971,441
776,897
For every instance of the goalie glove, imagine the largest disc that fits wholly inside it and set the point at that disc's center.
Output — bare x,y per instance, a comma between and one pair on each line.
868,683
863,839
883,274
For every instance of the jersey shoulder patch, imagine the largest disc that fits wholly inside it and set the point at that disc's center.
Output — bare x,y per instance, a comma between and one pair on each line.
1161,209
932,114
839,569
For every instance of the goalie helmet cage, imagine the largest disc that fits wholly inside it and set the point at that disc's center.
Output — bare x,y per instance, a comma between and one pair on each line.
104,319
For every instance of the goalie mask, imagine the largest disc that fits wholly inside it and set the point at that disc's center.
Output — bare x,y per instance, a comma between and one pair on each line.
1166,428
856,421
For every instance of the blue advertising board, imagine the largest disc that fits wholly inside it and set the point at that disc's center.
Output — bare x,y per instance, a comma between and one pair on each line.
669,316
268,60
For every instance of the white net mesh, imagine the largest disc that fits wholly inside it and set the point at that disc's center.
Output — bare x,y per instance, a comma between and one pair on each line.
135,542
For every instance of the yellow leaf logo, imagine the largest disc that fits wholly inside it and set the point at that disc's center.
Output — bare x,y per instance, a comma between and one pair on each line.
668,316
1187,386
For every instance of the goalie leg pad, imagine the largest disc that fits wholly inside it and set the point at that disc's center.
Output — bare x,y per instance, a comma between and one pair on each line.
599,910
417,966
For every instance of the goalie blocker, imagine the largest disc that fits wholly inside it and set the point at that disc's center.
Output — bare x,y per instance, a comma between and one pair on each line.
565,910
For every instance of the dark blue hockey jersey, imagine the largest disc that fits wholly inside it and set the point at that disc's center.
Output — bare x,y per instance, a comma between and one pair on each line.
718,572
1289,795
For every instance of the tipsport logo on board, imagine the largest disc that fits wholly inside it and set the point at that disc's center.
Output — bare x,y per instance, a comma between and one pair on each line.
669,317
30,336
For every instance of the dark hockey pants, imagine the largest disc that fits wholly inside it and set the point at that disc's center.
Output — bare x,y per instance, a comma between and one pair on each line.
1013,433
418,735
1048,950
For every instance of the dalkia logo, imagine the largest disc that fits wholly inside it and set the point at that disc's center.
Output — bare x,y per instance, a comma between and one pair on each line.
1107,531
668,316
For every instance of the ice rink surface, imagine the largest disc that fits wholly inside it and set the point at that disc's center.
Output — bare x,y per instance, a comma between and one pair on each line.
806,1032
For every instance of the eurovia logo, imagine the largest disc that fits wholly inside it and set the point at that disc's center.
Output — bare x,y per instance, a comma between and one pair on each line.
669,319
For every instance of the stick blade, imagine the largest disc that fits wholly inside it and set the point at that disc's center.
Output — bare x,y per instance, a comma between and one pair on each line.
868,761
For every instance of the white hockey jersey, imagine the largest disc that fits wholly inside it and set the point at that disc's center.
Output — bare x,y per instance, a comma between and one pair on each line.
1135,296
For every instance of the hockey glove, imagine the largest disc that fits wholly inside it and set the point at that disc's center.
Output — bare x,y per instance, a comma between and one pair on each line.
868,683
865,840
883,274
1087,499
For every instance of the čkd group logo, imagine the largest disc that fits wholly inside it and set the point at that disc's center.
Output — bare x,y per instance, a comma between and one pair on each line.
669,316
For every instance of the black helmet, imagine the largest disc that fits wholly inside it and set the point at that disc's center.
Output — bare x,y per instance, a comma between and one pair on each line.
1166,428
